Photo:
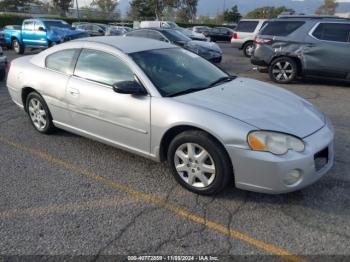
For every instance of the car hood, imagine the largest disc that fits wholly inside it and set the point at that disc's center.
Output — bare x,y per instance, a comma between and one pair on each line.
261,105
207,45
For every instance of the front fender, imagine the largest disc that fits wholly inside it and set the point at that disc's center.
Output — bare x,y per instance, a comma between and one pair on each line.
167,113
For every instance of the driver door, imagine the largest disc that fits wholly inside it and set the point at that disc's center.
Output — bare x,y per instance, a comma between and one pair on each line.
97,111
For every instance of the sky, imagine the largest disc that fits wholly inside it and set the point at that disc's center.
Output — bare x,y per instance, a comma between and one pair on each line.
210,7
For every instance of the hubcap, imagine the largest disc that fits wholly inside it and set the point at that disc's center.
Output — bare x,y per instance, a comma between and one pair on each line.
16,46
282,71
249,50
194,165
37,114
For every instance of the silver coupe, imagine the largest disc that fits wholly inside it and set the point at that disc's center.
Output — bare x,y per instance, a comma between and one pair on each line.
166,103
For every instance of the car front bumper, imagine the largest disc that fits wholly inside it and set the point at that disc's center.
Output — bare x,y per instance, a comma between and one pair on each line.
264,172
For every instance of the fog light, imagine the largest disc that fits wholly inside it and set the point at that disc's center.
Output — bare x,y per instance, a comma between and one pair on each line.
292,177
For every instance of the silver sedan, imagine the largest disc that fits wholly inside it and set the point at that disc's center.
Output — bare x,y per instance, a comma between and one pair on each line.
165,103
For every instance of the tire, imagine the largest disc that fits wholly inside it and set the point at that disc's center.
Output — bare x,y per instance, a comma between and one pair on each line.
189,169
2,74
17,47
283,70
39,113
248,49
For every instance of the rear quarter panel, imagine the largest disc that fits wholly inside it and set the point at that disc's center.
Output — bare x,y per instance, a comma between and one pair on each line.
12,33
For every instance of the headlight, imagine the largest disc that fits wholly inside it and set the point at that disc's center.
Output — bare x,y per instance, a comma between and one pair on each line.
275,143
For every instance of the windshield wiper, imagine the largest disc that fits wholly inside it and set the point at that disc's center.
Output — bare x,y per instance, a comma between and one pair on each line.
222,80
191,90
187,91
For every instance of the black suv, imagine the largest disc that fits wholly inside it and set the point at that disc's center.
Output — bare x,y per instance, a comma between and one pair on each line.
292,46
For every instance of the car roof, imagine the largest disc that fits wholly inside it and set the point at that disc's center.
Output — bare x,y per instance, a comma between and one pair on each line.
127,44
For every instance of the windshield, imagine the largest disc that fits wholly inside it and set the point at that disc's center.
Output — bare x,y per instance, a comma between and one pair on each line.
177,71
175,36
52,24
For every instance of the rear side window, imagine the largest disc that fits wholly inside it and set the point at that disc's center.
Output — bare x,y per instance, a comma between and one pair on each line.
29,25
281,28
247,26
102,67
62,61
337,32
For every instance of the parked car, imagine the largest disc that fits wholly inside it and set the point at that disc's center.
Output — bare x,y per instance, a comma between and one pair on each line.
220,34
158,24
191,34
93,29
2,39
117,30
300,45
210,51
40,33
244,34
3,65
205,30
163,102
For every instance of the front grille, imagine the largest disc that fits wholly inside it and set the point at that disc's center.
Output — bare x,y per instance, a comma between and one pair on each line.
321,159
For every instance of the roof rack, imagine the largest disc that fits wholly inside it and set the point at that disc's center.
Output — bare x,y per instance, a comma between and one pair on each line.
312,17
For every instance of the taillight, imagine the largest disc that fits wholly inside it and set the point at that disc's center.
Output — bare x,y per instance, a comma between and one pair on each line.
262,41
235,35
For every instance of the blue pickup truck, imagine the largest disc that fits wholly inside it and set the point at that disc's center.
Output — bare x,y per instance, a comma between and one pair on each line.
40,33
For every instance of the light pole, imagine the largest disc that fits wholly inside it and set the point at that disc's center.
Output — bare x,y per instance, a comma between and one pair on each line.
77,6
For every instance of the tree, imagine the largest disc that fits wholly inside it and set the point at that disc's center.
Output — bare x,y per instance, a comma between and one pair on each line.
62,5
141,9
233,15
268,12
156,9
108,7
14,5
328,8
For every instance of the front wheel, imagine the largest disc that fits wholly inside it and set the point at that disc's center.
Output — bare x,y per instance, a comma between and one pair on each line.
199,163
39,113
17,47
283,70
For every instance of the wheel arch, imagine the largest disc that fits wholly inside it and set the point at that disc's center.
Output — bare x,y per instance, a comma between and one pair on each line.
24,94
178,129
295,58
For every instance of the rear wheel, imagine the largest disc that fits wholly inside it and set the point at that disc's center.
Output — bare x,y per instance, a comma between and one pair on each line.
248,49
283,70
39,113
17,47
199,163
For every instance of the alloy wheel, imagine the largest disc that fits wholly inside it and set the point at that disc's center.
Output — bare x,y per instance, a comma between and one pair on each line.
194,165
37,114
283,71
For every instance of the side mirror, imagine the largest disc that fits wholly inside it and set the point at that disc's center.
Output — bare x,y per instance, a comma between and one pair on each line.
42,29
129,87
101,31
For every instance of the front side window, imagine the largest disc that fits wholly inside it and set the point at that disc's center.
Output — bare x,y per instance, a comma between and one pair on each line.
281,28
62,61
337,32
38,25
176,70
247,26
102,67
29,26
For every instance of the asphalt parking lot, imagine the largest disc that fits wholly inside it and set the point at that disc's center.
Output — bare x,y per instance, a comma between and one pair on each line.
66,195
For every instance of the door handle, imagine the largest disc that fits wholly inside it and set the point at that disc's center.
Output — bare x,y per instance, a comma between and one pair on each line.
73,91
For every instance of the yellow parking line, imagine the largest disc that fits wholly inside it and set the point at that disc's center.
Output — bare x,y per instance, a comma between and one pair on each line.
159,202
343,130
